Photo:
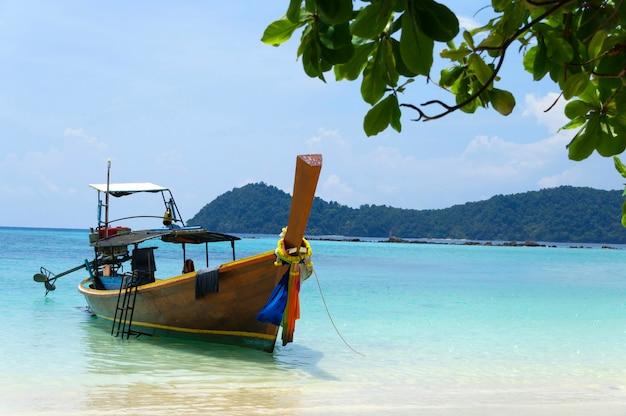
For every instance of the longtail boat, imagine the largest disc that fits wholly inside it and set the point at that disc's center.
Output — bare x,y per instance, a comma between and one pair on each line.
241,302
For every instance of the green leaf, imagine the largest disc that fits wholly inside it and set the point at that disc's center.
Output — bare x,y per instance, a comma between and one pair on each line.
557,74
372,20
463,94
306,39
541,65
559,50
512,18
482,71
450,76
585,141
575,84
352,69
624,214
279,32
335,11
461,85
493,40
502,101
468,108
373,85
529,59
313,63
416,48
500,5
338,56
469,39
391,74
577,108
617,120
434,19
619,166
400,65
336,42
396,114
611,140
574,123
536,61
379,116
293,12
335,36
455,54
608,68
594,48
590,96
620,101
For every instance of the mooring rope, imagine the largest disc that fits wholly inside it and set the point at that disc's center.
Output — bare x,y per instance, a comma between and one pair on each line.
319,286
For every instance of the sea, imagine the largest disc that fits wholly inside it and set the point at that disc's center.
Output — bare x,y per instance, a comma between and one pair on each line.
443,328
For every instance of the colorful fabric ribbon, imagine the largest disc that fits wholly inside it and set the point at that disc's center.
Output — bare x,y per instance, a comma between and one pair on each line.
283,306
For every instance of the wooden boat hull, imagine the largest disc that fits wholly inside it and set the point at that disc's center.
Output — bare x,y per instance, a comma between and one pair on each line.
170,308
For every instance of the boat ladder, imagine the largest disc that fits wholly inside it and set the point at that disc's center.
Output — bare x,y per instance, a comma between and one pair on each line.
125,308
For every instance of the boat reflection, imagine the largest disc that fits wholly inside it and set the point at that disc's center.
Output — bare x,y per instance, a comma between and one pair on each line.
151,376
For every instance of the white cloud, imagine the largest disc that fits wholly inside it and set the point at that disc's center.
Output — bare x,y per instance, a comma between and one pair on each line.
515,160
326,138
567,177
524,154
171,157
48,184
247,181
334,189
80,137
547,110
468,23
389,159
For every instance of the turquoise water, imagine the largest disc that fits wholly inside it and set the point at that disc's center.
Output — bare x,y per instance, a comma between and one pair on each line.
401,329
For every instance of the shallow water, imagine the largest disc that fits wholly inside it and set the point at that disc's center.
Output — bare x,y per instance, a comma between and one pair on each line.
401,329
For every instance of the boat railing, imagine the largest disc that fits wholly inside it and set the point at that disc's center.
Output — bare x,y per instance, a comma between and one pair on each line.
136,217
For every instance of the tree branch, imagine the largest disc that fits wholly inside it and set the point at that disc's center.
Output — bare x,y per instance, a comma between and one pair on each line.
502,48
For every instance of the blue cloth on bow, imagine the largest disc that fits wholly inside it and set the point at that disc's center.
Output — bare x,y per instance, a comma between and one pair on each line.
273,311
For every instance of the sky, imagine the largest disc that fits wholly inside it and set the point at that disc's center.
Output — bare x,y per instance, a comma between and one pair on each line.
185,95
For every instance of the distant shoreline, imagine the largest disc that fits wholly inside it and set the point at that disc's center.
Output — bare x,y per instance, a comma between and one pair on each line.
513,243
392,239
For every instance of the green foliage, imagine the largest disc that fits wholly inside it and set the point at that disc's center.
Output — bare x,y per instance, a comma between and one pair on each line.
362,43
384,113
579,44
280,32
564,214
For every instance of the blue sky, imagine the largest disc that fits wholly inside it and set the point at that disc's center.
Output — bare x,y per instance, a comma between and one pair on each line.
184,94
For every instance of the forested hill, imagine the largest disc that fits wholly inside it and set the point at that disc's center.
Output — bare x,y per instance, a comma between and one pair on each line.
564,214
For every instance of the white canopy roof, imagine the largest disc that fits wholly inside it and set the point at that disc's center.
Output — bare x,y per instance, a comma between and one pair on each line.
120,189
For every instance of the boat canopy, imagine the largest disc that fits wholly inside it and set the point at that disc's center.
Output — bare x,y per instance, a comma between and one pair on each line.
121,189
175,235
196,236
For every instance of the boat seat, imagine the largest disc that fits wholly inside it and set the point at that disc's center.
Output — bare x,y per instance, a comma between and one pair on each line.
188,266
143,265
